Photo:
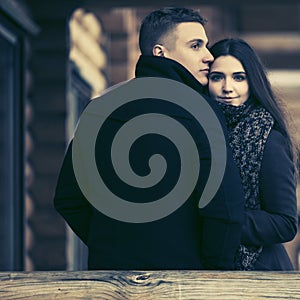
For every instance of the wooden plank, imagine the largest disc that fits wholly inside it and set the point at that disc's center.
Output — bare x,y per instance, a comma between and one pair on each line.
96,4
270,42
150,285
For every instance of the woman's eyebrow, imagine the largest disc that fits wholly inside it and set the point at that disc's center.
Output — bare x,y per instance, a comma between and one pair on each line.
234,73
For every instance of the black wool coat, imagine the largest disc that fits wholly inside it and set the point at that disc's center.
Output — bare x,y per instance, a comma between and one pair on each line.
189,238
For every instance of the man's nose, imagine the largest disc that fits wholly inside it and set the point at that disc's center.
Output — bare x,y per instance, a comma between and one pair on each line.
208,57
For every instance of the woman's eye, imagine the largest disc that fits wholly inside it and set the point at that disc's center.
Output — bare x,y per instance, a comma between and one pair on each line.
215,77
239,77
196,46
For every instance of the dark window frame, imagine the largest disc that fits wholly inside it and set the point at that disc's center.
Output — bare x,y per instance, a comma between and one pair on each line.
15,28
15,138
79,94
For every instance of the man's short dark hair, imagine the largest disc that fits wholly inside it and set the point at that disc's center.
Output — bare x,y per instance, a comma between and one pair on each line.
159,23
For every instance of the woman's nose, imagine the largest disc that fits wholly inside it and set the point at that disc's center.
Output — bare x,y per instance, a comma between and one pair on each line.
227,86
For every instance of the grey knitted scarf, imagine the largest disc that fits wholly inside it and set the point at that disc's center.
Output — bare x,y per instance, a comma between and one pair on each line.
249,126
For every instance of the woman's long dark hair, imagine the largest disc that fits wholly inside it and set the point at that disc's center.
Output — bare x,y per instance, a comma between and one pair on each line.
259,85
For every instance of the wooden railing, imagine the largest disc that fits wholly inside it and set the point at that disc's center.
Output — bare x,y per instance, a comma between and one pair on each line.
146,285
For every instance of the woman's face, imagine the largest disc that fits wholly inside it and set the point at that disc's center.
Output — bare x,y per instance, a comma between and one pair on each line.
228,81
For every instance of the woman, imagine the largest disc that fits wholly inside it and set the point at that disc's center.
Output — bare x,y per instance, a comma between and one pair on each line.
264,152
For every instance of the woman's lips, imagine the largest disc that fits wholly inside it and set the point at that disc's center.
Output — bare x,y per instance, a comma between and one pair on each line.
227,98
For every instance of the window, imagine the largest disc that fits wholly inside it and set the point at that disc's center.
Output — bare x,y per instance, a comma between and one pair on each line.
11,150
79,93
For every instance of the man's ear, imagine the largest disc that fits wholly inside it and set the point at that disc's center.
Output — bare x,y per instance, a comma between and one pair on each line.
158,50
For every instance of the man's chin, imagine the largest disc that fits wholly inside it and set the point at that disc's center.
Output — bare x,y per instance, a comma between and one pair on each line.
203,81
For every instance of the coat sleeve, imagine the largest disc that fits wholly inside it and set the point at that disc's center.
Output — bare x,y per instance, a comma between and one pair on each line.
276,222
69,200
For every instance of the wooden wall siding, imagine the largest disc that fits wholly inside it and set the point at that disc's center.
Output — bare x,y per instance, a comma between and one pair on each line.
290,96
277,50
45,234
279,16
86,49
120,28
29,173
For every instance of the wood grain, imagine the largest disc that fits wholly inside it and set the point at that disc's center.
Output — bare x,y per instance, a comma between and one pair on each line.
141,285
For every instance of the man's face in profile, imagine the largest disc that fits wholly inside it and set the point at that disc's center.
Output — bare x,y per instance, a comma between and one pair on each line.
190,49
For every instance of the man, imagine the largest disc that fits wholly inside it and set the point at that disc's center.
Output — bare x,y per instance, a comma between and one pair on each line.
182,38
173,44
